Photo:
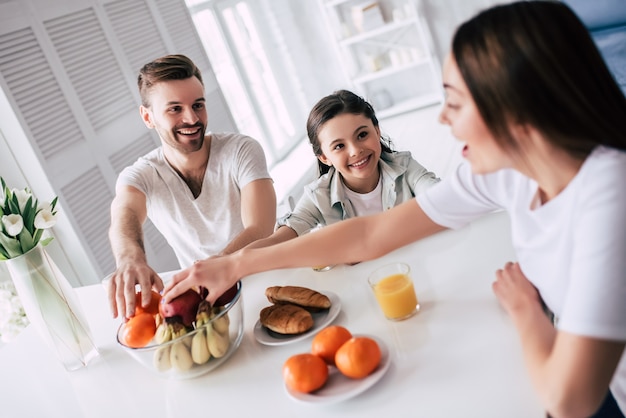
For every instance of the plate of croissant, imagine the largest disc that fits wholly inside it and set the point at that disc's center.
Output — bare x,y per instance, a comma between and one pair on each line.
295,314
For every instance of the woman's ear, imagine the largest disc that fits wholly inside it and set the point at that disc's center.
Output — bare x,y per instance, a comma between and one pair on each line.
324,160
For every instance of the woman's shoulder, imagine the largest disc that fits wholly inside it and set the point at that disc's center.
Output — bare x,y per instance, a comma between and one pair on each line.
602,155
604,168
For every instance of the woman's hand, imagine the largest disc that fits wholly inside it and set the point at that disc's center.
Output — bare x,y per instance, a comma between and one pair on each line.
216,274
514,291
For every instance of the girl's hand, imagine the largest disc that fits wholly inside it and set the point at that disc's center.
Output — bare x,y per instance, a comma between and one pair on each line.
514,291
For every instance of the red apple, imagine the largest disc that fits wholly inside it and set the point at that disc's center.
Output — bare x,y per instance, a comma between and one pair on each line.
184,306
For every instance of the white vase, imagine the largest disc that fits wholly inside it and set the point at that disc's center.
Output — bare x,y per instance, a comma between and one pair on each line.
51,306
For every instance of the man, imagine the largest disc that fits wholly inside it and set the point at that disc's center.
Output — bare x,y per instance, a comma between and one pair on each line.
207,193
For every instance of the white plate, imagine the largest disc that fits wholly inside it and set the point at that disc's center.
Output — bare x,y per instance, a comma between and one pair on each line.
320,320
339,387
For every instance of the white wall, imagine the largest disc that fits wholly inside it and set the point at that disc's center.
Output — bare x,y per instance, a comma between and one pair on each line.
445,15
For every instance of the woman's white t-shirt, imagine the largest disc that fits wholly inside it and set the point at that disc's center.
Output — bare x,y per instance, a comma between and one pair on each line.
573,248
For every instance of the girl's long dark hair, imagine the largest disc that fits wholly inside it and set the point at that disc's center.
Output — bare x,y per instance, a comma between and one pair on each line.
534,63
337,103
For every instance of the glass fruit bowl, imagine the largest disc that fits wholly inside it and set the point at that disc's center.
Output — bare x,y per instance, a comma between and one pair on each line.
198,351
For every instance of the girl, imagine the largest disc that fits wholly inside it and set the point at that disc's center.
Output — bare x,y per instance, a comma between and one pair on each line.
544,127
359,173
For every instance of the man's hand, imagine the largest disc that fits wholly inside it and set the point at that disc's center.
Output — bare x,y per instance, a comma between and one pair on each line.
121,287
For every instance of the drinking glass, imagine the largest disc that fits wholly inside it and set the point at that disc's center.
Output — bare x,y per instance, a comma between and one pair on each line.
394,290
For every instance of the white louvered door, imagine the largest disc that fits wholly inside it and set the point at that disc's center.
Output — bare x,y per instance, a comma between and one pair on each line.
68,71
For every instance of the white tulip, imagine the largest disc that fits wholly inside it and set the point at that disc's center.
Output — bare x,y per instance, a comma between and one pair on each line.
45,219
22,197
44,206
13,224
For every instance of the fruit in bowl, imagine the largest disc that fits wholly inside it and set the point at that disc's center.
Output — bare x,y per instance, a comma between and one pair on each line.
187,337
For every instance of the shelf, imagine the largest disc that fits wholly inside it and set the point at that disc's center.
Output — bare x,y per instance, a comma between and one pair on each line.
392,61
387,71
408,105
386,28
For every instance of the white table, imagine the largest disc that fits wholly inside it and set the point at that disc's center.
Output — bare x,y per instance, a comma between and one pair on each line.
459,356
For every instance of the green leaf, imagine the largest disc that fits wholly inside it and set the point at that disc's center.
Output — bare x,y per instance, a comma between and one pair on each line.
14,205
46,241
11,245
37,235
3,254
26,240
53,203
29,215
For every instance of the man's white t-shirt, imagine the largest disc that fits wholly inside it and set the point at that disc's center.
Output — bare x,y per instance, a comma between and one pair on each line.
573,248
197,228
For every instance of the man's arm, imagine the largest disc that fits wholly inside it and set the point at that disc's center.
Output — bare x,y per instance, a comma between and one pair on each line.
128,213
258,214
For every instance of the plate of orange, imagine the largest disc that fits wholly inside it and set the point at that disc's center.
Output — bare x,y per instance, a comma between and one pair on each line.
339,387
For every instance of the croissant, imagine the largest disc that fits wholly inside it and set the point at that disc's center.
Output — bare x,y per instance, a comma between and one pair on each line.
301,296
286,319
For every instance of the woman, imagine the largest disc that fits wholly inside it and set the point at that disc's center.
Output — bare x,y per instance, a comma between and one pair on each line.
544,124
359,173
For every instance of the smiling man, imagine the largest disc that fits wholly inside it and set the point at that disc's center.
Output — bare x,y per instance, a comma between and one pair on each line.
207,193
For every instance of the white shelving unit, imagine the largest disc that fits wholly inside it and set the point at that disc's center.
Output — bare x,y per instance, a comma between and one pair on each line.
386,51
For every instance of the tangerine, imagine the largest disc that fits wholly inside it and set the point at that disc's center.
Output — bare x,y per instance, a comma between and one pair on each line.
326,342
358,357
153,306
139,330
305,372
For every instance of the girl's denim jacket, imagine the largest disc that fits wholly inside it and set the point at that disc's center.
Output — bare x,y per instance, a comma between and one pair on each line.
324,200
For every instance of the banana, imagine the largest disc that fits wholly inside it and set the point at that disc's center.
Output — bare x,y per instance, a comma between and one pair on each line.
163,333
161,359
178,330
203,314
216,342
158,319
180,357
199,348
220,324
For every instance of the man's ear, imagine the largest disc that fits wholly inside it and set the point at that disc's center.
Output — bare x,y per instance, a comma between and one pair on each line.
324,160
146,116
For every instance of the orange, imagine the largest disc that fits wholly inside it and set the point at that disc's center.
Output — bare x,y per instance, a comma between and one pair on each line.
305,372
153,306
358,357
139,330
327,342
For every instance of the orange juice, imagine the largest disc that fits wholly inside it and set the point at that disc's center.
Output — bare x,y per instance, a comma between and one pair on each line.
396,296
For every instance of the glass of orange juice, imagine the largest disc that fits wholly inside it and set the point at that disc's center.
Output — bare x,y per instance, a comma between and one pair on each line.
393,288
